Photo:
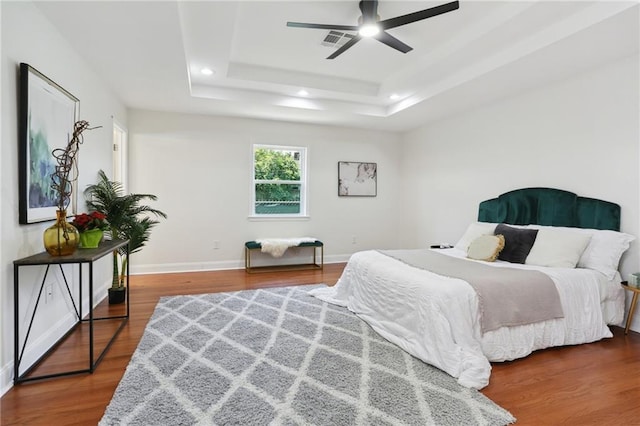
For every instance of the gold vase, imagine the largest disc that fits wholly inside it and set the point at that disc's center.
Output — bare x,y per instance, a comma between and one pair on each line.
62,238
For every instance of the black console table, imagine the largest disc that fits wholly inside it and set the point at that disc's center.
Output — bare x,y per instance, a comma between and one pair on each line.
80,257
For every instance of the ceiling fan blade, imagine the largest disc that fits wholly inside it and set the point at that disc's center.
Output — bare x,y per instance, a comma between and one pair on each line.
323,26
418,16
391,41
344,47
369,9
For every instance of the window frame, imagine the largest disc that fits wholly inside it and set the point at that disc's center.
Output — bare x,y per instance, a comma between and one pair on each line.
303,182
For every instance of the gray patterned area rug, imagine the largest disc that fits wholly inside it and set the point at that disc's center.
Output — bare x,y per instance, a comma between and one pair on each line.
281,357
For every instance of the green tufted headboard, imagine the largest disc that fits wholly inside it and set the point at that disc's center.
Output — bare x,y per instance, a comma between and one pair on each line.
548,206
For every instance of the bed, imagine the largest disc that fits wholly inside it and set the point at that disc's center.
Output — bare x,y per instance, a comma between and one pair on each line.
418,300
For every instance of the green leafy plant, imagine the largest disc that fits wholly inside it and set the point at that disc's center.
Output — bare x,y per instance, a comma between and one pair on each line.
128,219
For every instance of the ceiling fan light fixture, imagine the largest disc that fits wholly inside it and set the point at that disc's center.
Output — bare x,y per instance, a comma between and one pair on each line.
370,25
369,30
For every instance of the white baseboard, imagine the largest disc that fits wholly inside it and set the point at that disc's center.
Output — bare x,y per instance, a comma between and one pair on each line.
167,268
6,378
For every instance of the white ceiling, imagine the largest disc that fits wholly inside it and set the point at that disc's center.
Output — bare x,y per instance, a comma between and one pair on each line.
151,54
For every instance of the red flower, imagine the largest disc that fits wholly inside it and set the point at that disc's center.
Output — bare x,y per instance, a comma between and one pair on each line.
86,222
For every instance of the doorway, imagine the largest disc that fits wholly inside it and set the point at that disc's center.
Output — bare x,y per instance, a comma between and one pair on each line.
120,157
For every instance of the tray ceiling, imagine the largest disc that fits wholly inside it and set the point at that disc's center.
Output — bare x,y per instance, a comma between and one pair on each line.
152,53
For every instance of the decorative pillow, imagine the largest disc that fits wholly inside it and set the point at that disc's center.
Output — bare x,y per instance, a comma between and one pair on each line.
604,250
517,243
473,231
557,248
486,247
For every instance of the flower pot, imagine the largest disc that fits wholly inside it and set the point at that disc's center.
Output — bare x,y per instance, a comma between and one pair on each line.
117,295
91,238
62,238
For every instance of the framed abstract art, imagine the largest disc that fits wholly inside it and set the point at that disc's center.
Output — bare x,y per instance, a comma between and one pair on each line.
47,114
356,179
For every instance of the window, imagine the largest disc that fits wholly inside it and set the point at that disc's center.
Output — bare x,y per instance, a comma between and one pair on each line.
279,187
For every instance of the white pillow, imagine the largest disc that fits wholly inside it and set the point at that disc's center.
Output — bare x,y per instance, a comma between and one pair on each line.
473,231
604,250
557,248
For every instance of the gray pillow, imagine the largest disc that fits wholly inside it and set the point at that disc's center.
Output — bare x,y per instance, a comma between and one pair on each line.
517,243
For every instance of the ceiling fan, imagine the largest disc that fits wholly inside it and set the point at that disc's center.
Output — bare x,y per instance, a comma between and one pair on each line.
370,25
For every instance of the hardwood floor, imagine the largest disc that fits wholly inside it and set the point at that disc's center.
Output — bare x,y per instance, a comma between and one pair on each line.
592,384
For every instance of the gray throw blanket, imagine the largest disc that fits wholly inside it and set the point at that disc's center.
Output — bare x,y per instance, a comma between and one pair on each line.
507,296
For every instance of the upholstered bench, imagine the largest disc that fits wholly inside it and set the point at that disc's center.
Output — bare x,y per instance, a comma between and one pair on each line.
317,263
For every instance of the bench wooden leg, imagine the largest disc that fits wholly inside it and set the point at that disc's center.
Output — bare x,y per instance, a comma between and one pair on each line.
632,309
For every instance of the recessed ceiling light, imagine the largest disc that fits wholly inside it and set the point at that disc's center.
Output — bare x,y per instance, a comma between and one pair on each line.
394,96
302,92
206,71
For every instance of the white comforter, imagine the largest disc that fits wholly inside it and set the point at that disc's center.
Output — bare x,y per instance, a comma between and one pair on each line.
436,318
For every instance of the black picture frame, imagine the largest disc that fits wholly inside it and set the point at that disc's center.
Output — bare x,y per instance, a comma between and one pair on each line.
46,116
357,179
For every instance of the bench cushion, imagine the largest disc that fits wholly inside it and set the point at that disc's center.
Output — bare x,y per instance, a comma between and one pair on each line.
255,245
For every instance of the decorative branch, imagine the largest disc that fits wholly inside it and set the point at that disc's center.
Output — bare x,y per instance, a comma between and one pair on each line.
66,172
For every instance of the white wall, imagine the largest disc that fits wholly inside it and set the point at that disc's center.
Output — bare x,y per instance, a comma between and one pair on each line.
28,37
581,135
2,192
200,169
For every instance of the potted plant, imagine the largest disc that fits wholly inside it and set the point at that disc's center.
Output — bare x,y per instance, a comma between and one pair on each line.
128,219
91,227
